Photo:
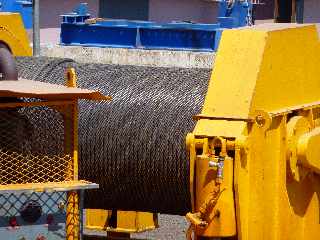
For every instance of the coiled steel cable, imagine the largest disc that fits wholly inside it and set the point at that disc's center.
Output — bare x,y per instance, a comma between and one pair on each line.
134,146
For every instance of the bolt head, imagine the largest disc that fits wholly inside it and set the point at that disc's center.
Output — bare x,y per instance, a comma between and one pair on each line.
260,120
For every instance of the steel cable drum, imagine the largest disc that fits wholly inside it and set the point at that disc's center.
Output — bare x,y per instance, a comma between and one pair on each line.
134,146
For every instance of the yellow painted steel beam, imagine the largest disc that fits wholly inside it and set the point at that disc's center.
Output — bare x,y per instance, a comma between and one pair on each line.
71,122
47,187
98,220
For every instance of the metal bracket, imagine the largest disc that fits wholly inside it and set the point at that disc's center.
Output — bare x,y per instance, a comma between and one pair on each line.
202,116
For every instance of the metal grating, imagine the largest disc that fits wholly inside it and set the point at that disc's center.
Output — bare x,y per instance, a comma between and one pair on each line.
33,146
11,204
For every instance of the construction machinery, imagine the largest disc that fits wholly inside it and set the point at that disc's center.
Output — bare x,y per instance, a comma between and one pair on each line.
238,154
253,152
248,166
13,35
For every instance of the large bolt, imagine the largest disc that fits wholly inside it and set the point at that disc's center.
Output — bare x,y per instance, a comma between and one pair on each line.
260,120
213,164
61,205
41,237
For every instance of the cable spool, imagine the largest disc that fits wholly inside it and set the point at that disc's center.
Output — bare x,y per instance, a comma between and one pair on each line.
134,146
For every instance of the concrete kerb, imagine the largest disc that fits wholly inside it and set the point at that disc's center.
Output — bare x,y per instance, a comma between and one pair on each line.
138,57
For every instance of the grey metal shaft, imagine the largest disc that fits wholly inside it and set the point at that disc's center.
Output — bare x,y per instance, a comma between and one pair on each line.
36,28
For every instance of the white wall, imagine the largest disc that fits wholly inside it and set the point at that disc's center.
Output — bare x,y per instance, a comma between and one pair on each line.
183,10
50,10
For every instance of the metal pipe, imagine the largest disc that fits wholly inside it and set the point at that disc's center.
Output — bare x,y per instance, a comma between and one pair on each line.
81,209
36,28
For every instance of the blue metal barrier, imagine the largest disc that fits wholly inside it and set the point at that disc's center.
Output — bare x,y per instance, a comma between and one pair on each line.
179,38
150,35
97,35
22,7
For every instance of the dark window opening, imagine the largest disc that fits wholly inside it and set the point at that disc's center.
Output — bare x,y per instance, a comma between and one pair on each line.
284,11
124,9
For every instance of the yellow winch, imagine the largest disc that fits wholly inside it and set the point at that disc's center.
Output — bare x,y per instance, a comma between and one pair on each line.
260,127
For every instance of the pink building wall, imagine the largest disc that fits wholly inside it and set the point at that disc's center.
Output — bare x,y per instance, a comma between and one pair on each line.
159,10
204,11
311,11
50,11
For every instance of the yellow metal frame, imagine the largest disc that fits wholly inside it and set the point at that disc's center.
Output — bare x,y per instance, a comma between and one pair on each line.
45,187
69,111
73,213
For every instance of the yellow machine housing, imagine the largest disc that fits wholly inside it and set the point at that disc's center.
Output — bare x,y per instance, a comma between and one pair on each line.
14,35
254,152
